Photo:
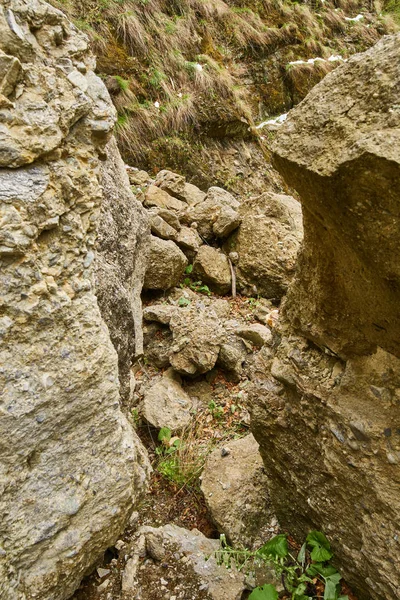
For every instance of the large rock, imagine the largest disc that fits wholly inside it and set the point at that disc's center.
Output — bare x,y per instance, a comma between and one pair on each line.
165,265
267,243
327,418
340,150
216,216
158,198
193,568
122,244
212,267
70,466
166,404
234,485
197,338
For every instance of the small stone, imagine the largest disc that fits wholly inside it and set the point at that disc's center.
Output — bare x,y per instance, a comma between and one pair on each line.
102,572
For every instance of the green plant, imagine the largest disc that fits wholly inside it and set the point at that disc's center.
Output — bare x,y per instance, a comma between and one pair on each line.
196,286
299,574
216,410
183,301
122,83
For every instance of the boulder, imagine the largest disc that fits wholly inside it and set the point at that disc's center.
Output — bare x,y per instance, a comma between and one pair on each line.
166,404
160,313
227,221
136,176
172,183
331,399
71,468
157,197
157,340
212,267
256,333
267,244
168,216
192,194
161,228
234,485
165,265
196,568
197,338
121,246
219,208
188,239
340,151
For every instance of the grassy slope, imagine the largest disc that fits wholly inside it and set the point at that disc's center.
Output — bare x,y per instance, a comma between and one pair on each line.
192,77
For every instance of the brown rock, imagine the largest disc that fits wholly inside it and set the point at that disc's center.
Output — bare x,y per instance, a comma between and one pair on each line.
212,267
156,197
165,265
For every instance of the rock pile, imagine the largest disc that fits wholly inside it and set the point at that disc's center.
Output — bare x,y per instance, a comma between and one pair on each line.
254,241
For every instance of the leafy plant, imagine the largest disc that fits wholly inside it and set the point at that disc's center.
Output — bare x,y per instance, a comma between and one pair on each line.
183,301
299,574
216,410
122,83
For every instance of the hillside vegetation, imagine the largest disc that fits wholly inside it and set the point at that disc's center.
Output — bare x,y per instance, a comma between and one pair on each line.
190,78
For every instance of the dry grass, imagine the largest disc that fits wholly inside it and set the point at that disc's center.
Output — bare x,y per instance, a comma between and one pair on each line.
158,45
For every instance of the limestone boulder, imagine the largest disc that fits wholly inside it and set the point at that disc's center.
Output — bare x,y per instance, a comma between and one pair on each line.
197,567
197,338
212,267
165,264
172,183
330,398
256,333
339,149
215,216
159,198
121,246
161,228
166,404
267,244
188,239
71,468
234,485
160,313
192,194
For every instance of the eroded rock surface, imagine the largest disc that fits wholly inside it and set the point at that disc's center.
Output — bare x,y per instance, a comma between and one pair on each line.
235,487
71,468
327,417
267,244
340,150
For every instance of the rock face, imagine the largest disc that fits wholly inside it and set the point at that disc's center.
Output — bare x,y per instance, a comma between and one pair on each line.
71,468
327,422
234,485
267,244
339,149
122,245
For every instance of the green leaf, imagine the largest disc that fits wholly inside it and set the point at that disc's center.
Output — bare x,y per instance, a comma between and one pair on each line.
301,557
331,586
320,569
266,592
277,547
164,434
321,548
189,269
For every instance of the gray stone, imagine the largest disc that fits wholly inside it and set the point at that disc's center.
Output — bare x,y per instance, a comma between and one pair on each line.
198,556
256,333
197,338
188,239
227,221
166,404
10,70
121,246
165,266
235,489
160,313
192,194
